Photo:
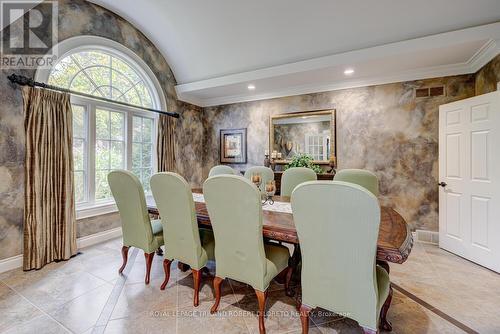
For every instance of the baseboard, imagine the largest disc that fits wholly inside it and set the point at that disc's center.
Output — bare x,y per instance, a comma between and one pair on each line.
11,263
428,237
98,237
17,261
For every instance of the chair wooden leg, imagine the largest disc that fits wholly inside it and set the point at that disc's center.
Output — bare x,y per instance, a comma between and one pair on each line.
159,251
261,298
384,323
217,283
166,269
304,317
124,257
149,261
196,281
288,291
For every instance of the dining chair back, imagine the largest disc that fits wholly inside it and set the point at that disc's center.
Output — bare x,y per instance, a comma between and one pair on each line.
175,204
294,176
222,170
131,202
137,228
266,174
338,224
362,177
235,210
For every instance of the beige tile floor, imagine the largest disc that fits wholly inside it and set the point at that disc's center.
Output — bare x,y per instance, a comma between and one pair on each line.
436,292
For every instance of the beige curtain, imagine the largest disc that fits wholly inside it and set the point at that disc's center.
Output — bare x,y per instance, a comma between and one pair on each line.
49,209
166,144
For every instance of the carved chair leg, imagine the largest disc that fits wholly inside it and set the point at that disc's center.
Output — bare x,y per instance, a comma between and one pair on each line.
289,292
196,281
304,317
261,298
384,323
149,261
125,258
166,269
217,283
159,251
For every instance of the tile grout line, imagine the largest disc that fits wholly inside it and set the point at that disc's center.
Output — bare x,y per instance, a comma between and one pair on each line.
38,308
108,308
435,310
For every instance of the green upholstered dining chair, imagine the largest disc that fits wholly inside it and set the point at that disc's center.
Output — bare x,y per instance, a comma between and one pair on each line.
294,176
137,229
266,175
363,177
235,210
342,277
222,170
175,204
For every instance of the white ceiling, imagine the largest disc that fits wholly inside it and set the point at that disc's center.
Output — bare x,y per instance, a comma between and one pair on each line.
215,48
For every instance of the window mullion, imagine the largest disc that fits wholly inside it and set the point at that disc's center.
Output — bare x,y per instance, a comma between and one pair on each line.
128,139
92,149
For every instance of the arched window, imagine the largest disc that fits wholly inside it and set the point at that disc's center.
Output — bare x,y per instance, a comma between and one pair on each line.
107,136
102,74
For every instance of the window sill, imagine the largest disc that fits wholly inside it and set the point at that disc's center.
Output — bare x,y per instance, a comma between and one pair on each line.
95,210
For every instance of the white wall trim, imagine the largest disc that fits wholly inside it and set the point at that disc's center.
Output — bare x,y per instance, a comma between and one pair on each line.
194,92
98,237
17,261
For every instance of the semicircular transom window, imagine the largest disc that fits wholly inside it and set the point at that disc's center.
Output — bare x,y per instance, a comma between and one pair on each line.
105,75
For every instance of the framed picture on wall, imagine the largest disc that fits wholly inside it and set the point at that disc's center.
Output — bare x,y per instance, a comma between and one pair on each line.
233,146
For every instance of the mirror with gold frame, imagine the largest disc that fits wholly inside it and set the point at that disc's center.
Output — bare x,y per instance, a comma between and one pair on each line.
310,132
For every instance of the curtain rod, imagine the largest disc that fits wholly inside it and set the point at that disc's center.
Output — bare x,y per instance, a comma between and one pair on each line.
25,81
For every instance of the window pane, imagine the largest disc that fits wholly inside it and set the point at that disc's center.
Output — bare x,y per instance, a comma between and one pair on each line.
81,83
117,155
147,130
102,124
136,155
102,154
121,82
101,185
137,129
78,154
117,126
79,187
146,176
101,78
78,121
146,155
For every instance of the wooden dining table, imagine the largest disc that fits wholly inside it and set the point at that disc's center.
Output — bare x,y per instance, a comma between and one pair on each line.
394,244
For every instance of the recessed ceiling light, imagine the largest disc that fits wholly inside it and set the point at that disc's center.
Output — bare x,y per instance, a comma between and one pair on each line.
349,71
251,87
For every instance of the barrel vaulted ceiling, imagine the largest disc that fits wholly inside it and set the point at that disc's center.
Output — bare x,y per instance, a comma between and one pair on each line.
218,48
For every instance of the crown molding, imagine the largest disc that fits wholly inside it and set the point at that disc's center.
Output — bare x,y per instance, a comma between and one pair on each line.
490,33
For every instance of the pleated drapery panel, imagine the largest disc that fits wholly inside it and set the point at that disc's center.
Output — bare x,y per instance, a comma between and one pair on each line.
49,208
166,144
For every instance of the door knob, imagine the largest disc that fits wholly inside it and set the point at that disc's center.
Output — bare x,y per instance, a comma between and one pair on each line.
442,184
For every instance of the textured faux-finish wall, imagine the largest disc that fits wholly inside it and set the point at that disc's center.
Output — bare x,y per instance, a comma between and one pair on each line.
381,128
76,18
488,77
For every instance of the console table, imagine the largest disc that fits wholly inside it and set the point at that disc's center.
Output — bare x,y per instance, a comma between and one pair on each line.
279,174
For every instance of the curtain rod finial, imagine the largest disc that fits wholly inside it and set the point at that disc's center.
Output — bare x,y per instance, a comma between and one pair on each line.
21,80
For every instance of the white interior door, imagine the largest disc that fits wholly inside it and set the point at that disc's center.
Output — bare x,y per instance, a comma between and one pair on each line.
469,174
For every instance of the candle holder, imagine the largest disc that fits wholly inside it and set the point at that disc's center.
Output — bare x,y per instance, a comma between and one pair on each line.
257,179
270,190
